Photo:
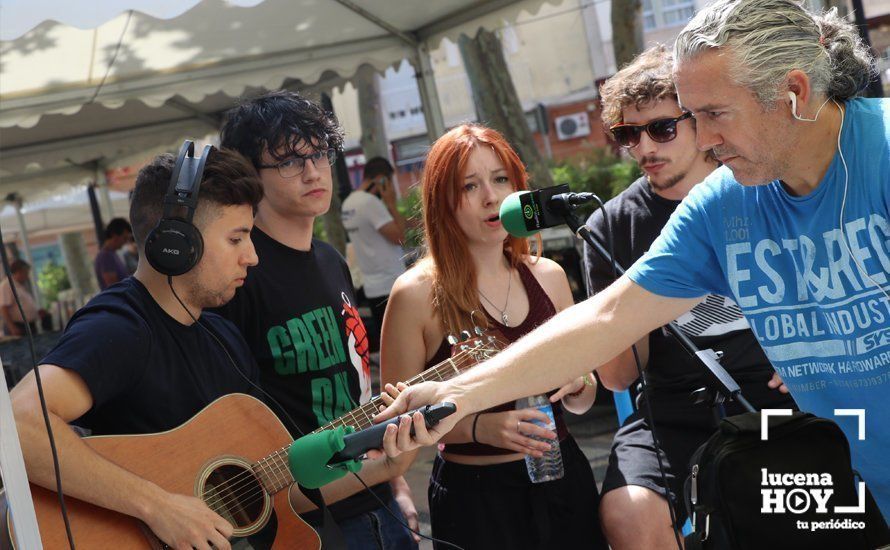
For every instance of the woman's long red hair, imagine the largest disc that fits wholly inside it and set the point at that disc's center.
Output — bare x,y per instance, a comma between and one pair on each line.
447,259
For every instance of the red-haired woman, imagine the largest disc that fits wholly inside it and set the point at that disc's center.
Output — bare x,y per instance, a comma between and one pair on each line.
474,273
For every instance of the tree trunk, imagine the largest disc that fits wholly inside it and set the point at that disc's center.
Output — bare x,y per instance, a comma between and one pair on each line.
373,140
497,104
333,220
627,30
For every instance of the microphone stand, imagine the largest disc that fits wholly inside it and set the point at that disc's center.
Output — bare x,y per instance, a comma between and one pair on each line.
727,389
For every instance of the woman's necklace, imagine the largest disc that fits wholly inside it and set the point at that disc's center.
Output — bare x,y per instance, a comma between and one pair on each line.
503,312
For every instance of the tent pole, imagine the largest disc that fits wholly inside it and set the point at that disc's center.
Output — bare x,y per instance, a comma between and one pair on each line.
104,195
26,244
429,95
98,225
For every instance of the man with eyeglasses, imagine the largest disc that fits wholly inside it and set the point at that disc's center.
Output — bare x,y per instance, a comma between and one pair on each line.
297,309
641,110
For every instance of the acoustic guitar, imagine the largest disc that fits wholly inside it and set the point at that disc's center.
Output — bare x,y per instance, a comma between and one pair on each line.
222,456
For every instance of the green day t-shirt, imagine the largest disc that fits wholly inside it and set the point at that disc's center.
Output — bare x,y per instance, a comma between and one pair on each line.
822,322
297,311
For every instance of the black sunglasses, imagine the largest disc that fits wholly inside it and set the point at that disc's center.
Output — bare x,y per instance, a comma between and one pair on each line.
662,130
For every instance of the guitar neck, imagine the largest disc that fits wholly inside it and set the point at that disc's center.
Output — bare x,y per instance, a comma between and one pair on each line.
274,470
361,418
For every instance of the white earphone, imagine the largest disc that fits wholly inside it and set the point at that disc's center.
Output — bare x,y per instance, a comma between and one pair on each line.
845,239
793,97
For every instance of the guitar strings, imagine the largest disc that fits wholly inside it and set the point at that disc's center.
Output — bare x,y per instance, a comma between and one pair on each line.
376,401
272,467
248,476
243,484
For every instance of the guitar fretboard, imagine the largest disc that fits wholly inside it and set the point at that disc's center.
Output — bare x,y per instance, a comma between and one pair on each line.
273,470
361,418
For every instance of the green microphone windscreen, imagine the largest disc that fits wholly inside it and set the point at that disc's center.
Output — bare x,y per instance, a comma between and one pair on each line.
308,458
512,216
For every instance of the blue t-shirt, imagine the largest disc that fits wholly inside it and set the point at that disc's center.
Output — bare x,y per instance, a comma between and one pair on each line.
822,323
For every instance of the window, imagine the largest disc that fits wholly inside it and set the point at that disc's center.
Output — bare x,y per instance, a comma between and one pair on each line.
677,12
648,16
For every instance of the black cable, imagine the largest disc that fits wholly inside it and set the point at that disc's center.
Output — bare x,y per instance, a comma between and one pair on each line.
290,419
117,48
43,408
393,514
668,494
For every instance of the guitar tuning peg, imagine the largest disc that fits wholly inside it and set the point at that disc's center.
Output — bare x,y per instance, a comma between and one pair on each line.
452,339
465,335
478,331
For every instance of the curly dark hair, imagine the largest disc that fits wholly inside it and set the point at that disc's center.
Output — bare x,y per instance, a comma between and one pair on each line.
646,78
279,122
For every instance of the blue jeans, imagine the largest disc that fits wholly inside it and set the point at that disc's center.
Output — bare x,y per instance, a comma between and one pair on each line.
377,530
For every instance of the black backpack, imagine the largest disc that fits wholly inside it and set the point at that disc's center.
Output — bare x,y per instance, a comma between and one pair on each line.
747,493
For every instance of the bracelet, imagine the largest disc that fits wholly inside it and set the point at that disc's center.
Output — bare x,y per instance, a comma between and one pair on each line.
576,393
475,419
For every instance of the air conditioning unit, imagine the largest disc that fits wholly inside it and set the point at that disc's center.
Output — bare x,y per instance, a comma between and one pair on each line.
572,126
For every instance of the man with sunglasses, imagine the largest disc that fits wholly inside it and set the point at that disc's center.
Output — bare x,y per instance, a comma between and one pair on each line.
641,110
795,227
297,309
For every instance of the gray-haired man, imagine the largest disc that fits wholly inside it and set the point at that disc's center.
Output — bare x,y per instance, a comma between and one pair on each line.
795,228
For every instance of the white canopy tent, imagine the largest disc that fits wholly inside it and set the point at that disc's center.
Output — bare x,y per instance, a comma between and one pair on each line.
175,71
63,207
84,87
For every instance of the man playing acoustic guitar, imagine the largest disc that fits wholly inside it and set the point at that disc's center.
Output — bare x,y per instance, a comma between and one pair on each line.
132,361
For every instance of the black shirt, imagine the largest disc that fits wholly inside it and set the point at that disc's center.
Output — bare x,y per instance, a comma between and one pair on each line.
146,371
637,216
298,313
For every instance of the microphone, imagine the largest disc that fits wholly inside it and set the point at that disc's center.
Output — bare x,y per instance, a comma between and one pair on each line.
308,458
524,213
320,458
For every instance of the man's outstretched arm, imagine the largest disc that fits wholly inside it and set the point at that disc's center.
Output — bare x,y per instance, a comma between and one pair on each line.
570,344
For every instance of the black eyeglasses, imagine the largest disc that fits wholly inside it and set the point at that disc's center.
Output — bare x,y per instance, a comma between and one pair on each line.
662,130
294,166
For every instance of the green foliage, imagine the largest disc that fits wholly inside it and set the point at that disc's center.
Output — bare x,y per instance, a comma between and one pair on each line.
411,208
52,279
599,172
318,230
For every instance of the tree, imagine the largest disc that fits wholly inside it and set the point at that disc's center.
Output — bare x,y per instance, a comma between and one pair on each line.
497,104
370,109
334,233
627,30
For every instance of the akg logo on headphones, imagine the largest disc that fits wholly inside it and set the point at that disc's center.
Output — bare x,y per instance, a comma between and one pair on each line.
528,211
173,251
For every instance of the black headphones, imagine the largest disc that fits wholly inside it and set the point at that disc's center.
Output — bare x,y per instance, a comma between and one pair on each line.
175,245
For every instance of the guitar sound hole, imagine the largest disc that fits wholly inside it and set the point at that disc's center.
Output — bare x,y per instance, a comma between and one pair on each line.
233,492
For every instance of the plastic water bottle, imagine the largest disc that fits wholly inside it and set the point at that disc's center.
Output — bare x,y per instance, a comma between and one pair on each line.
549,466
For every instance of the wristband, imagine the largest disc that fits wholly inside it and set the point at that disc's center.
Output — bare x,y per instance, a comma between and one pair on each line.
475,419
576,393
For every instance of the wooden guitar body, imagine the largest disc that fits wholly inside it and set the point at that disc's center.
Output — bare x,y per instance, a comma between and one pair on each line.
221,455
218,450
